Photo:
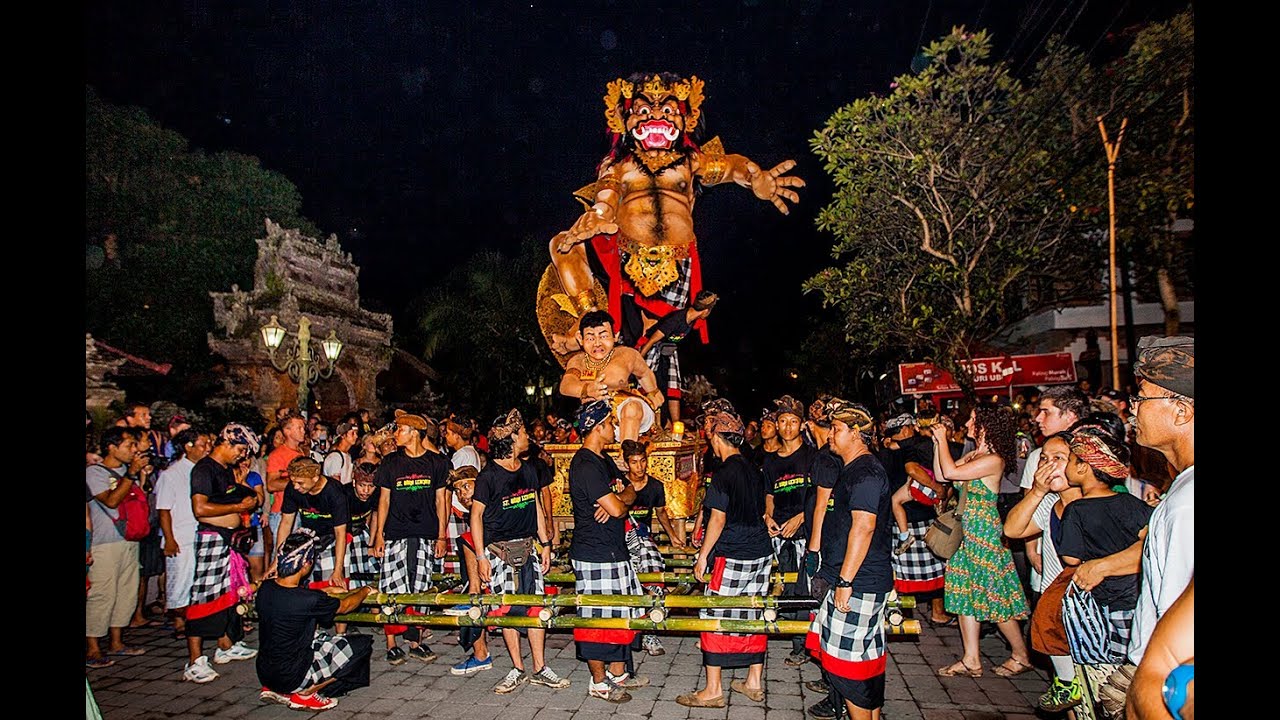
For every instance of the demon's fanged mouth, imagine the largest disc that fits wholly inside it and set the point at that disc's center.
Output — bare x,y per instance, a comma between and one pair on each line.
655,134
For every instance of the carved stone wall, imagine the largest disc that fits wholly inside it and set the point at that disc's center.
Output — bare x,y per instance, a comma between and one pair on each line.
99,392
296,275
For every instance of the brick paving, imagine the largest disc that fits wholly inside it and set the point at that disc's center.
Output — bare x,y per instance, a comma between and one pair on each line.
150,687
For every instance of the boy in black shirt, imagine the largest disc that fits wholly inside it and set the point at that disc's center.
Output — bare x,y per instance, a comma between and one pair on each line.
601,563
786,474
362,511
651,501
296,661
322,505
412,502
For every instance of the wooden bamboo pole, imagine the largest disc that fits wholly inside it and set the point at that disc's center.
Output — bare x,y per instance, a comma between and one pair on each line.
584,600
758,627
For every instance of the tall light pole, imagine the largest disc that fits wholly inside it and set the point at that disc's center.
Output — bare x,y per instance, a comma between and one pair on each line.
298,359
1113,151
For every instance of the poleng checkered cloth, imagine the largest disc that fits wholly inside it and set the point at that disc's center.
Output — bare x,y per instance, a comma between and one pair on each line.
854,636
606,578
330,653
396,571
738,577
213,568
645,556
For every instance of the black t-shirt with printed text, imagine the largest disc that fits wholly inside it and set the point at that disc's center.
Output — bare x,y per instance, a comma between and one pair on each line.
359,511
1101,526
789,481
648,498
824,472
747,540
509,498
863,486
413,482
287,620
319,512
591,478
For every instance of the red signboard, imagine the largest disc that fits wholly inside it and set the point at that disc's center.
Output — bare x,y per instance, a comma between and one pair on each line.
990,373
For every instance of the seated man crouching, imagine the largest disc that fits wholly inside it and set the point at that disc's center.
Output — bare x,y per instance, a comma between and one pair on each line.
603,371
295,661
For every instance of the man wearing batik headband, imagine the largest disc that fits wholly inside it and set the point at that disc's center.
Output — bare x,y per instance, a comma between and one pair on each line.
299,659
513,542
788,489
1103,522
735,559
412,505
322,507
362,510
709,460
1164,414
601,561
909,452
847,634
825,472
217,503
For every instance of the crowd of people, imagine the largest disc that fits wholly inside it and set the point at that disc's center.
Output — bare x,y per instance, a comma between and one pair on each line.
1076,513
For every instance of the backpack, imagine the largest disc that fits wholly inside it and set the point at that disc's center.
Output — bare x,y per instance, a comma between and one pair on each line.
133,519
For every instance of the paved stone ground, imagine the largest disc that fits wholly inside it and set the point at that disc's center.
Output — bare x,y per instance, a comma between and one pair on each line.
150,687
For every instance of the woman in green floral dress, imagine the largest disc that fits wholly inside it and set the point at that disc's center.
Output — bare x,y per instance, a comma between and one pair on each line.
981,583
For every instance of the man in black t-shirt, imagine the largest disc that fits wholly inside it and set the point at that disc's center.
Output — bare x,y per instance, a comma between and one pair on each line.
847,634
513,548
412,502
322,505
217,503
659,345
786,474
297,661
601,563
362,514
709,463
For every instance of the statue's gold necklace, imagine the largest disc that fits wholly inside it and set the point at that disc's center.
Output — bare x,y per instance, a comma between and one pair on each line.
594,366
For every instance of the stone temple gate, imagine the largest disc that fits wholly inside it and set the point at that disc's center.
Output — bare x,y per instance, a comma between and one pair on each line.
297,275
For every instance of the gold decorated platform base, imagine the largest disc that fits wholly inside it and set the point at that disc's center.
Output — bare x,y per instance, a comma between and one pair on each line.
677,463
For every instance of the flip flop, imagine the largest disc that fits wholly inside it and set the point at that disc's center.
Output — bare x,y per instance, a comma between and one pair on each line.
1003,671
128,652
959,669
945,623
99,663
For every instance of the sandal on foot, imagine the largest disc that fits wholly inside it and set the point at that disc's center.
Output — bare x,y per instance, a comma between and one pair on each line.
959,669
128,652
945,623
692,700
741,686
1003,669
99,663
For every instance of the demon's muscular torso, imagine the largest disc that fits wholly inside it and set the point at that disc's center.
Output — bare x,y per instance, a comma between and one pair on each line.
640,219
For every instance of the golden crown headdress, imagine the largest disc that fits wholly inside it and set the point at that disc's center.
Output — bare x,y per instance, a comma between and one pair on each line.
689,90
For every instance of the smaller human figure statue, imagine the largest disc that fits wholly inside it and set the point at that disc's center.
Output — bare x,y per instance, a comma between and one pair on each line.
659,346
604,371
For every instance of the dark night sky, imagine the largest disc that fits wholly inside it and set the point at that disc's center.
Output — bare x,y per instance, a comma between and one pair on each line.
420,132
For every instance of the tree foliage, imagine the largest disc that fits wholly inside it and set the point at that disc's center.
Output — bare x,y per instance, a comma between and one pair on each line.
478,329
165,225
947,212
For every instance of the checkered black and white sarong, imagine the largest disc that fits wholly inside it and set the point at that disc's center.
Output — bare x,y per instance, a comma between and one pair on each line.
455,527
738,577
1121,622
645,556
330,654
359,562
326,560
606,578
799,546
665,366
213,568
918,569
841,638
395,567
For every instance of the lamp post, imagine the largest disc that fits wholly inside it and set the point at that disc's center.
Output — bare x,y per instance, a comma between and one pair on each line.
297,359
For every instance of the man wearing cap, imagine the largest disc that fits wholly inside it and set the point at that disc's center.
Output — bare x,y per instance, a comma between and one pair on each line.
322,505
603,371
659,345
788,486
217,502
298,659
338,463
1164,412
847,634
601,562
512,541
412,504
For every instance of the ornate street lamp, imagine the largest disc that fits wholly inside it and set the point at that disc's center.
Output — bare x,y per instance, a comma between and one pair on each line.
297,358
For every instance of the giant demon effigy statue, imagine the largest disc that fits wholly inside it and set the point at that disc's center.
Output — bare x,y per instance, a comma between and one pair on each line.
638,222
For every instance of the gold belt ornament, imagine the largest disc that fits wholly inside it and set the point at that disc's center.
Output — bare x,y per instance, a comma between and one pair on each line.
653,268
